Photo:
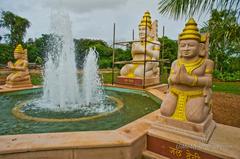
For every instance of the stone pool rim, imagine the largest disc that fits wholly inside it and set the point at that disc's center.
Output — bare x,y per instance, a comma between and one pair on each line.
16,111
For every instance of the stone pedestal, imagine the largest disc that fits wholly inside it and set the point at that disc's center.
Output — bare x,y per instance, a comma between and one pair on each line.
224,144
2,80
200,132
137,81
18,84
172,139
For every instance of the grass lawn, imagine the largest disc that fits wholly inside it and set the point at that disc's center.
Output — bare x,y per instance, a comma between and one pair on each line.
227,87
37,79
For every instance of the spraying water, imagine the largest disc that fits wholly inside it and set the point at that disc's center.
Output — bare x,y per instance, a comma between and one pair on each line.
92,85
61,91
60,81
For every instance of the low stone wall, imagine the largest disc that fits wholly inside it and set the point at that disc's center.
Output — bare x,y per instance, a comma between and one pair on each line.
127,142
132,151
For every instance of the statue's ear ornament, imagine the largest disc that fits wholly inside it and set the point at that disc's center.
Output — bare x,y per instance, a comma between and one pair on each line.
204,44
25,54
154,31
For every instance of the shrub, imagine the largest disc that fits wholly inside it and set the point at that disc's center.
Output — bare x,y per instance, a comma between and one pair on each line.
227,76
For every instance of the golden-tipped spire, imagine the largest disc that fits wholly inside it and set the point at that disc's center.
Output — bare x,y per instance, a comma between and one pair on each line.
190,31
146,20
19,49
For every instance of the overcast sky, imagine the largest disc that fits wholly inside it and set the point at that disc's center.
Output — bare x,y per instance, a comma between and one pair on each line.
94,18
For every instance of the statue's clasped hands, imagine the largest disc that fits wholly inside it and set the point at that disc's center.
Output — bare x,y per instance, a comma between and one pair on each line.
10,65
182,77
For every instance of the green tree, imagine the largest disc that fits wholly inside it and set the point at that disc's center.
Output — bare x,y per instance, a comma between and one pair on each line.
82,46
224,39
38,48
180,8
169,48
5,51
104,50
16,25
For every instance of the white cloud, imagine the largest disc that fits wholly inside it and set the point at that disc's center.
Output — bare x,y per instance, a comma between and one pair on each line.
83,6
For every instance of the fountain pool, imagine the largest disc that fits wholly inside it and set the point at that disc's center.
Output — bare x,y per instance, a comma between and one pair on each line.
136,104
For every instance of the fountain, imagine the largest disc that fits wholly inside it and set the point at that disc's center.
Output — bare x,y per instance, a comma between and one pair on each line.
60,80
61,90
92,85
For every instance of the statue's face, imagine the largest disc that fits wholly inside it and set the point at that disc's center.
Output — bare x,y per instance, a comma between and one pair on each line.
189,48
17,55
142,30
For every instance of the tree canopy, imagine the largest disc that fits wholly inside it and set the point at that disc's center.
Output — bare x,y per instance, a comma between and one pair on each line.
16,25
188,8
224,40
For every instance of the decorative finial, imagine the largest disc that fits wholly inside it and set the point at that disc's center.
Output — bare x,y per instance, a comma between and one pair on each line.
190,31
19,49
146,18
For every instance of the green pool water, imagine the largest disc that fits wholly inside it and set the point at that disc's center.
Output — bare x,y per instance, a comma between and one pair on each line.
136,105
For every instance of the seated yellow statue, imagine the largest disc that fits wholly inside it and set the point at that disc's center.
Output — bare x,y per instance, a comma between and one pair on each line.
20,76
138,51
190,80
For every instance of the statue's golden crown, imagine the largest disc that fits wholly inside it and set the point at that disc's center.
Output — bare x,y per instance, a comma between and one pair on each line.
146,20
190,31
19,49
